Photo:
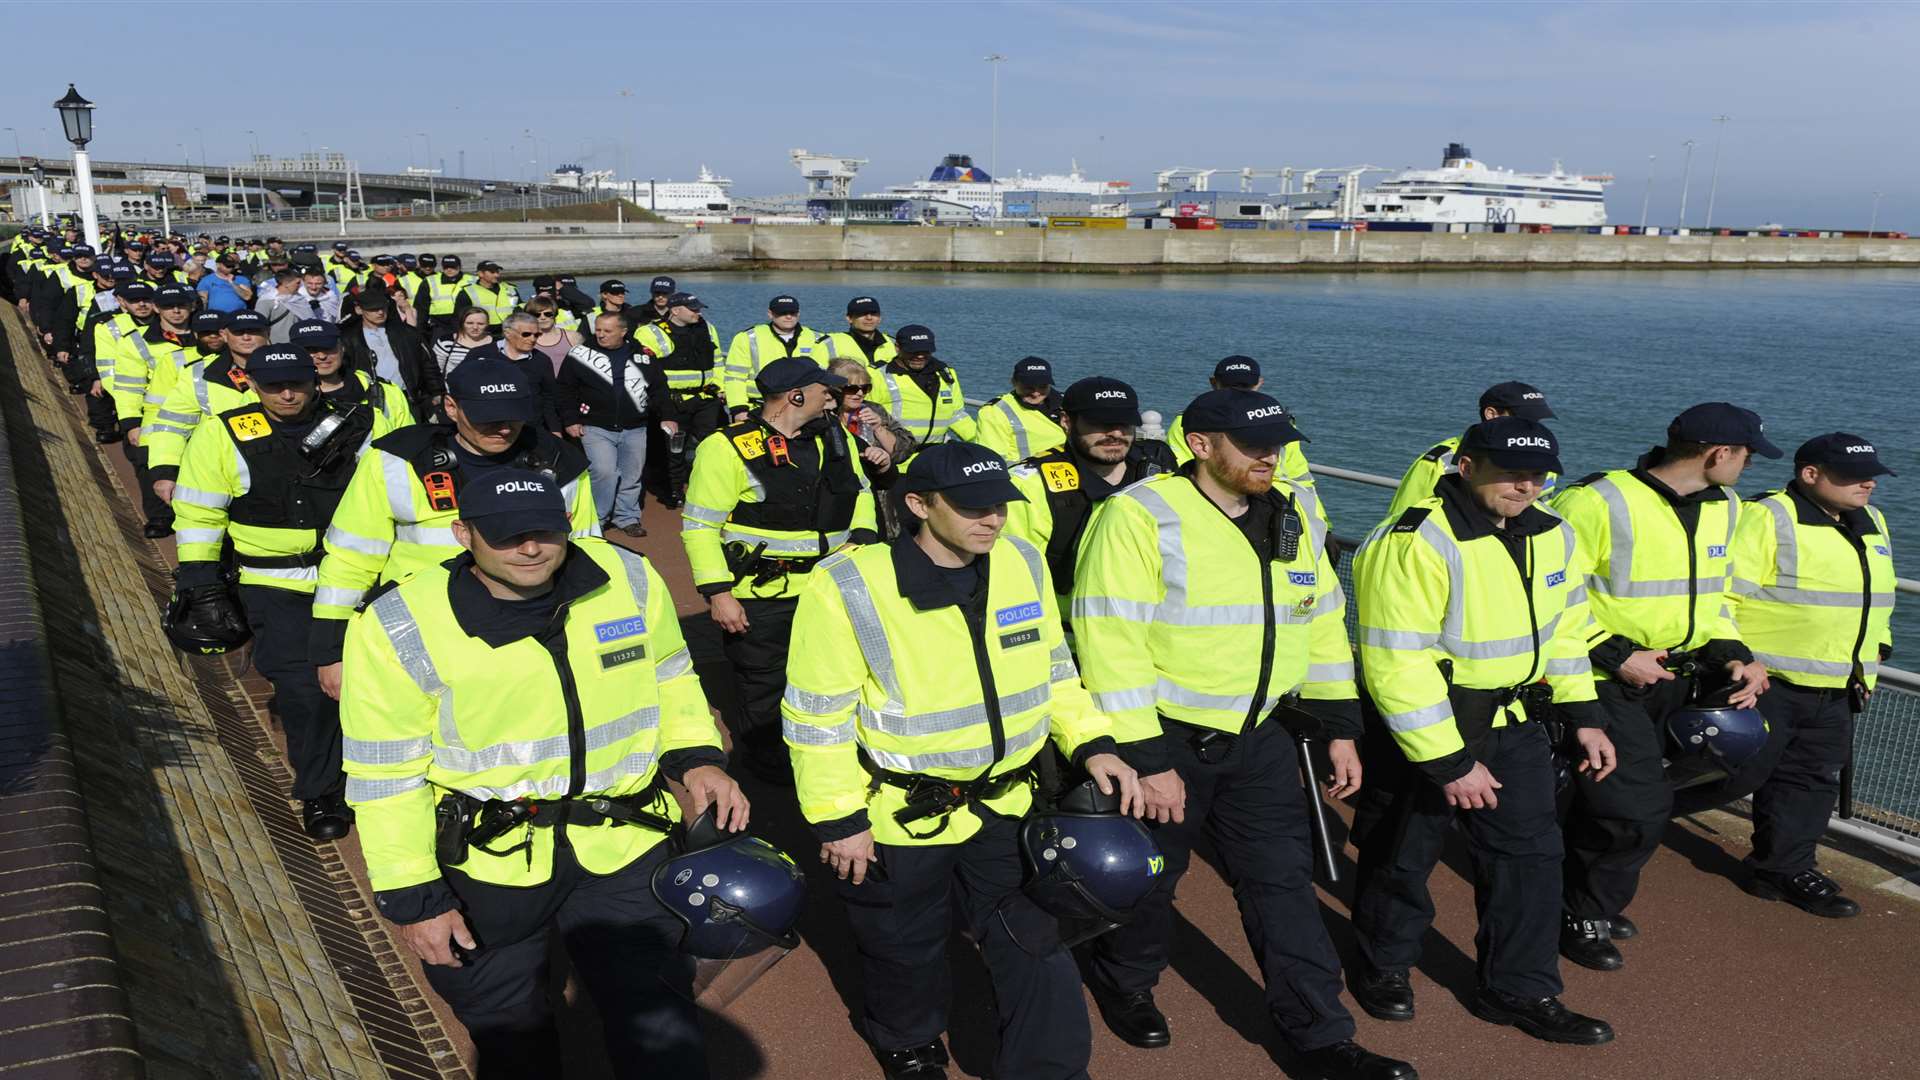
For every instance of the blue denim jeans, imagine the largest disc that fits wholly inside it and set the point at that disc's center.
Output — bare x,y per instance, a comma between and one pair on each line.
615,463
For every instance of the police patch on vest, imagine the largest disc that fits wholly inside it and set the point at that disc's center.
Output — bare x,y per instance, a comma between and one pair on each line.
1302,577
751,444
1716,551
1060,476
1558,577
618,657
1020,637
619,628
249,426
1019,613
1882,549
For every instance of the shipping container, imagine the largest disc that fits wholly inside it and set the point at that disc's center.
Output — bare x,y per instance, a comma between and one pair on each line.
1086,223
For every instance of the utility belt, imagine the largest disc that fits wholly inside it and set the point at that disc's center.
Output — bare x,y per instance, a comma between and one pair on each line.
705,390
744,562
462,821
279,562
938,796
1213,745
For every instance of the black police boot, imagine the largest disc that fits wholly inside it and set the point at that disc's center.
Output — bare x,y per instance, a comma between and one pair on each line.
1588,942
157,530
1135,1019
1385,995
1621,928
927,1062
325,818
1809,890
1350,1061
107,435
1542,1018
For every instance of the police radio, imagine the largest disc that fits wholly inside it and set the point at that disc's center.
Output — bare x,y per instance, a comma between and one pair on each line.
439,485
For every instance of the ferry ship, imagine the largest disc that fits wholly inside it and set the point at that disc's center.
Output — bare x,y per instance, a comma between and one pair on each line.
707,197
958,180
1465,190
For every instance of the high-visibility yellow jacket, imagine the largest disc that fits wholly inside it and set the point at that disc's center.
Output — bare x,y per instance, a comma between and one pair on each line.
244,481
389,526
1172,607
738,496
443,296
497,302
1501,608
342,274
845,344
928,419
125,367
173,362
1650,578
427,708
1016,432
683,380
1812,596
655,338
872,673
756,347
200,389
1427,469
1061,499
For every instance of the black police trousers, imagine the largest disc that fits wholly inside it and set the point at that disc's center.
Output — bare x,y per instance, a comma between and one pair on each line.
1400,825
624,945
698,416
281,619
1614,826
153,508
759,659
903,919
1795,779
1254,811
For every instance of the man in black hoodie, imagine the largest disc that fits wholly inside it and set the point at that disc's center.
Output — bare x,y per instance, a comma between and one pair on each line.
606,393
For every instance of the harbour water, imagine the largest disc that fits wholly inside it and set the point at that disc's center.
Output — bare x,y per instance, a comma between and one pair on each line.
1380,366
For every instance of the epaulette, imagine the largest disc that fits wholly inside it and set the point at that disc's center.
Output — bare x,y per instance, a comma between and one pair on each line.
1410,521
1582,482
376,593
1438,452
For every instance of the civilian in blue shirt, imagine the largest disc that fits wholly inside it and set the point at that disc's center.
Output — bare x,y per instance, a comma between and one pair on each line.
224,289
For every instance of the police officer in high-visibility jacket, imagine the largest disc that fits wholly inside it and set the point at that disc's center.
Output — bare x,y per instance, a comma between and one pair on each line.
200,390
692,360
347,388
1203,604
1655,543
438,297
863,339
770,497
143,363
265,477
922,392
488,293
510,718
1025,421
1468,600
1243,373
757,346
1501,399
1102,454
1813,591
398,512
914,767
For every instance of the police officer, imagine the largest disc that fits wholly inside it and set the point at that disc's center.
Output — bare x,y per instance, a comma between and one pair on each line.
1655,544
921,391
759,345
694,392
659,298
770,497
488,293
1024,422
1101,455
203,388
1501,399
398,510
863,339
179,358
1203,603
1243,373
91,368
266,477
613,297
438,297
141,355
1813,593
344,389
914,770
540,683
1466,603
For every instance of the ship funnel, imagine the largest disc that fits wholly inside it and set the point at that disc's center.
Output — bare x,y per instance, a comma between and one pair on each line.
1455,151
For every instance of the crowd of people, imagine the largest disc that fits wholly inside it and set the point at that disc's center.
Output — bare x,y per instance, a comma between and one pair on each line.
1008,665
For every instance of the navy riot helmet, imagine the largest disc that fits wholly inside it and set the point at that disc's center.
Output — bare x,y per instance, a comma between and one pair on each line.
1087,861
737,894
1712,740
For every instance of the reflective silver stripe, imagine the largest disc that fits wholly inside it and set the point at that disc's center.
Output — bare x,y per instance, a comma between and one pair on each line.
1453,626
1138,697
242,473
366,791
868,631
637,584
403,633
1064,670
1619,581
807,701
1093,607
912,725
334,596
1419,718
424,536
1330,672
1036,566
385,751
1576,595
1786,538
1639,590
1172,693
212,499
1578,665
190,419
960,759
633,765
814,735
1020,440
753,351
201,395
553,747
691,514
146,355
675,665
341,538
777,545
1820,597
289,573
399,482
200,536
570,491
1403,640
1806,665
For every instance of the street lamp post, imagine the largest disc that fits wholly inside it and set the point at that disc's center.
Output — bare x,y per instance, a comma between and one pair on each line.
40,194
1647,199
1714,188
1875,220
433,205
1686,177
76,117
993,144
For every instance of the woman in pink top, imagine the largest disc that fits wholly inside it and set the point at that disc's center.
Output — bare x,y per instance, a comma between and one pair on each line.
552,342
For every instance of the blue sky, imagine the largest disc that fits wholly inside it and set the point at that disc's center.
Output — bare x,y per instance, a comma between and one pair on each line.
1821,95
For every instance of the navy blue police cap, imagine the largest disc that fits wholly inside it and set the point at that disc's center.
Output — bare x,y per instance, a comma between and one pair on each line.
134,291
1718,423
504,503
247,322
1101,400
1519,399
175,295
914,338
793,372
314,334
489,390
1249,417
1238,372
968,475
665,286
280,364
863,305
1513,442
784,305
1033,371
209,322
1846,454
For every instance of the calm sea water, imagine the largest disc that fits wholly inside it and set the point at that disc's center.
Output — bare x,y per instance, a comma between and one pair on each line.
1380,366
